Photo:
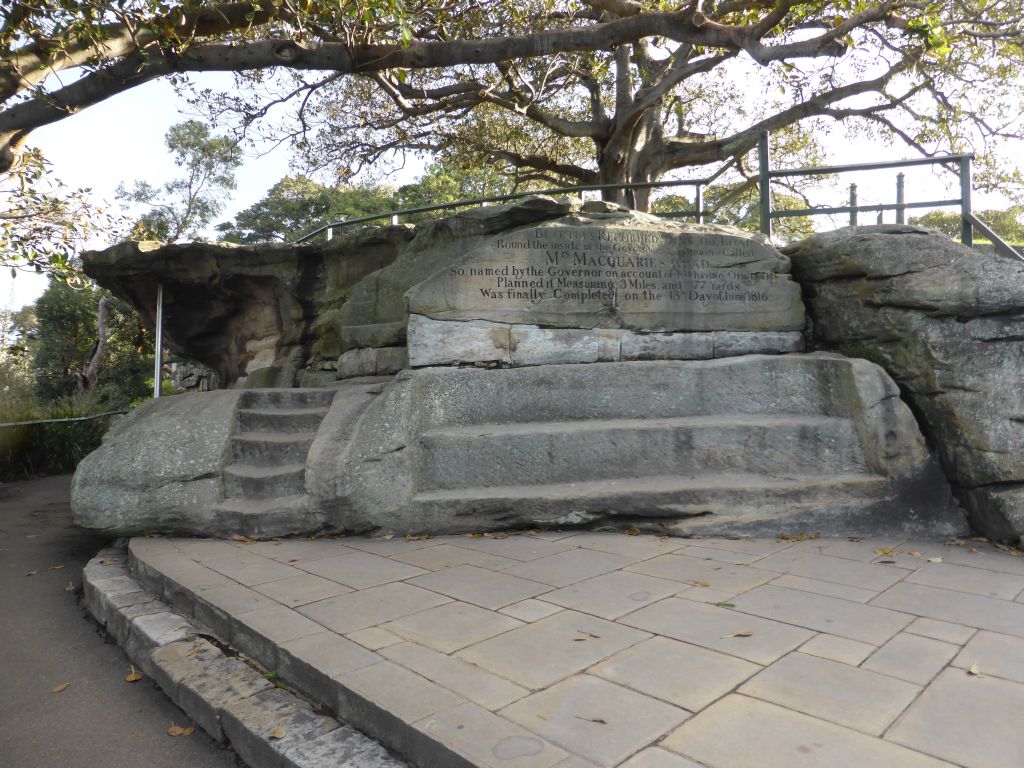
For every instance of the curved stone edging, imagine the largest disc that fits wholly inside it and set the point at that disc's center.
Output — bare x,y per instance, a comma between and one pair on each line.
221,693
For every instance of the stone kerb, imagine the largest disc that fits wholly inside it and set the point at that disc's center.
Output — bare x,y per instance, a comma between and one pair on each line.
609,287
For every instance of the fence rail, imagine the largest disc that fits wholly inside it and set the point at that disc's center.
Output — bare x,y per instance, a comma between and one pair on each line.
11,424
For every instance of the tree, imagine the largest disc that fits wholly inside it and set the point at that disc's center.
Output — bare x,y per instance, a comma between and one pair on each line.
297,205
59,334
593,90
184,207
1008,224
43,222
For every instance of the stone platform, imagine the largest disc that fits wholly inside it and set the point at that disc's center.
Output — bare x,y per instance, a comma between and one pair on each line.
582,649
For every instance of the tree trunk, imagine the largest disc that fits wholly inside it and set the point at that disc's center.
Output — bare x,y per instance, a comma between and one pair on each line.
86,378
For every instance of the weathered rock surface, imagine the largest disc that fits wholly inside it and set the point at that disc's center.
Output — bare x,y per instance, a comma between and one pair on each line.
754,445
618,270
947,322
277,315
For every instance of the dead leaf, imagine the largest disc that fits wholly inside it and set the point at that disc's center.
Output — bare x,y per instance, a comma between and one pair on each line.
473,535
387,536
175,730
532,533
55,567
886,562
500,536
410,537
277,733
241,538
588,634
934,559
133,675
738,634
598,720
696,583
110,561
973,551
32,573
189,731
982,539
975,670
855,538
633,532
69,587
192,652
792,537
885,551
33,535
542,717
60,688
915,554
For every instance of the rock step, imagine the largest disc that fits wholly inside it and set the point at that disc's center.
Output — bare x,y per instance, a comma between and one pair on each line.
717,500
264,482
544,453
267,517
264,449
288,398
280,419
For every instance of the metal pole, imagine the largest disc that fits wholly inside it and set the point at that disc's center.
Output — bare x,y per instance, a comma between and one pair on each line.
330,234
158,352
698,201
901,208
393,218
966,230
763,164
853,205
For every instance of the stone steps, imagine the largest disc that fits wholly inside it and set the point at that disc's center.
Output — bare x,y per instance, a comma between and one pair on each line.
728,502
544,453
264,486
280,419
246,480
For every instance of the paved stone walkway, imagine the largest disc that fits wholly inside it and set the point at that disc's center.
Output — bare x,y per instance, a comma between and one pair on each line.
602,649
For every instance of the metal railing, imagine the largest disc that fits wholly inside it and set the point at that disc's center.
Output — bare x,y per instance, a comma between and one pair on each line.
698,212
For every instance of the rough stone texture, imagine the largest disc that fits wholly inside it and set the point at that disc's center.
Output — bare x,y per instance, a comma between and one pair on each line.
245,310
159,468
747,445
947,323
461,342
618,270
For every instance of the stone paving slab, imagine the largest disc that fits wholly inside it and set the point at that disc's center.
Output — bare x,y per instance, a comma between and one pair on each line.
583,649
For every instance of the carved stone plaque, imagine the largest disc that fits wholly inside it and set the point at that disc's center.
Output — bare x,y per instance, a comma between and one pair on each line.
618,271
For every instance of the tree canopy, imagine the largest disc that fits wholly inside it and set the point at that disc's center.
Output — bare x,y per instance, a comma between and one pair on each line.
592,90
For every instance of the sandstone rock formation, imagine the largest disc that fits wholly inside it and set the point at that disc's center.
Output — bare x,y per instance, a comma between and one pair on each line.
947,323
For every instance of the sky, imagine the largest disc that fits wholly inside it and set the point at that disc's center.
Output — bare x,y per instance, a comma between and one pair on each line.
122,139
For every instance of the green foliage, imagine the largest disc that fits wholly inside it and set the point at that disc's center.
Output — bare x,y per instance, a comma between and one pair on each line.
737,204
47,449
182,208
44,223
57,337
1008,223
297,204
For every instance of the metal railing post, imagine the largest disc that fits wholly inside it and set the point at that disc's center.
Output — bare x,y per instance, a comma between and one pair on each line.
329,234
698,202
966,229
158,351
764,184
393,218
853,205
901,208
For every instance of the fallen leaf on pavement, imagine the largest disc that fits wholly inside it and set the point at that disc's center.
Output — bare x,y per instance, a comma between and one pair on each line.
55,567
934,559
133,676
175,730
855,538
32,573
241,538
277,733
110,561
633,532
69,587
695,583
975,670
33,535
885,551
597,720
410,537
738,634
725,605
60,688
973,551
189,731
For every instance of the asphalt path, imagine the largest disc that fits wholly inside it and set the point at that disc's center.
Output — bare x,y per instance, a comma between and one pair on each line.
47,639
